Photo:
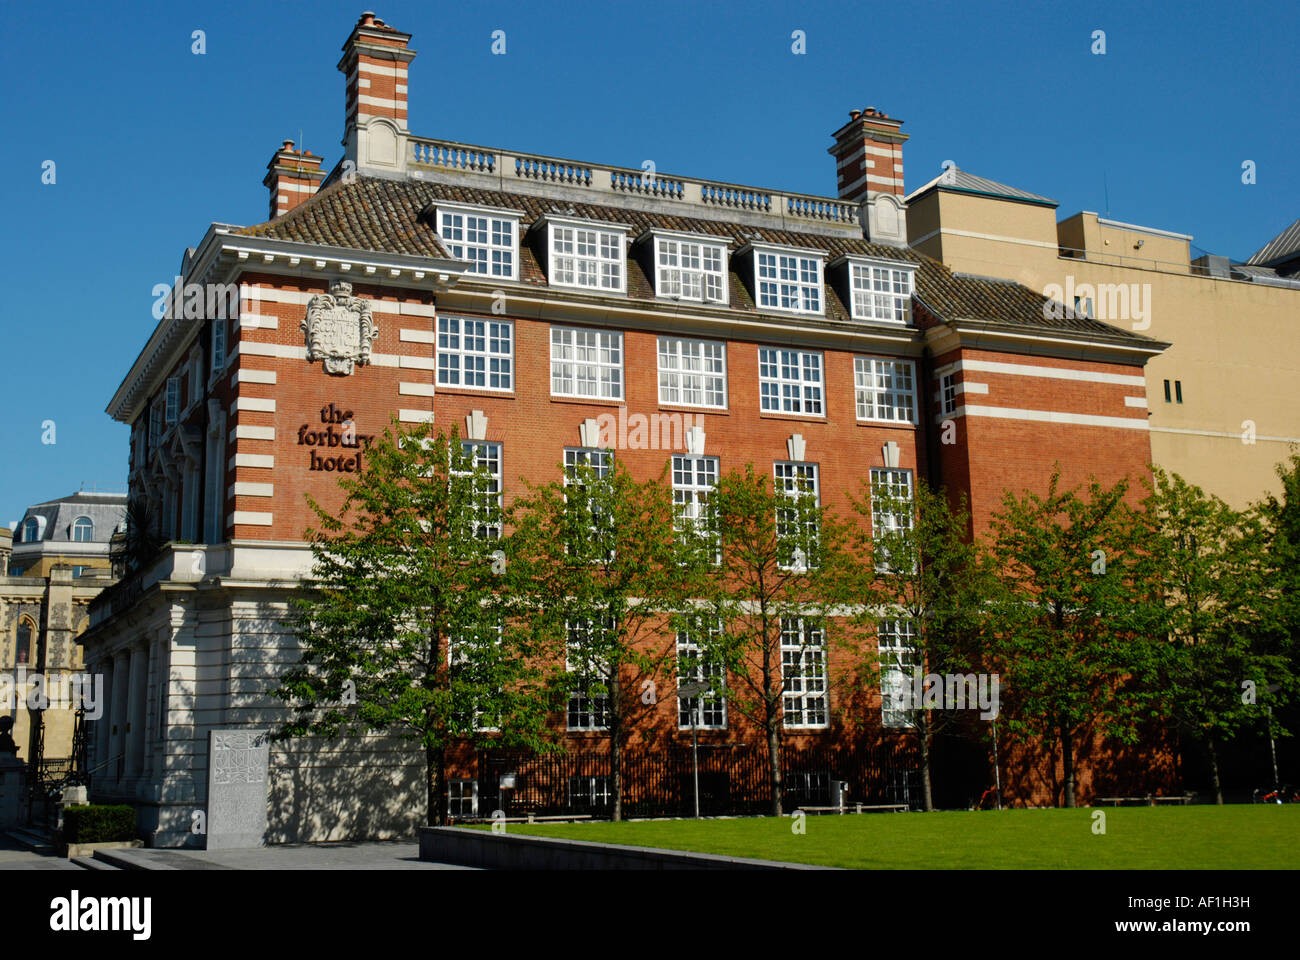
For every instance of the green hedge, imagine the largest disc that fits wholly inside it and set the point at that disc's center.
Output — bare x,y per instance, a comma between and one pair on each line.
98,823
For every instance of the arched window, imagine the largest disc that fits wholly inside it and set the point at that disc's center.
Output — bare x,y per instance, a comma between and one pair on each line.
82,529
31,530
24,642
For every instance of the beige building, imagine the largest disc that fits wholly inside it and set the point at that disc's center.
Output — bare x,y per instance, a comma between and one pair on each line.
51,567
1224,400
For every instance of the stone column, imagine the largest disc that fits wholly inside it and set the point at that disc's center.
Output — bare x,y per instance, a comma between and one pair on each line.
135,710
117,739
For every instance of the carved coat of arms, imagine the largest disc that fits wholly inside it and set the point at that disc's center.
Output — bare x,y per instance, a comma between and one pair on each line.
339,328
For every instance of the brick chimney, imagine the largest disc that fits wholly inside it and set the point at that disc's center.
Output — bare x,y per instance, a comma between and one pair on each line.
293,177
375,59
868,155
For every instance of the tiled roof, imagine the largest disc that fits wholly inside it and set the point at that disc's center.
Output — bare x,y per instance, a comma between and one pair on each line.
396,216
963,182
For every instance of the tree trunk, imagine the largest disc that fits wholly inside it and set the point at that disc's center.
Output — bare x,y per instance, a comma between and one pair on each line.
1067,762
616,745
435,761
1214,771
774,761
928,803
771,698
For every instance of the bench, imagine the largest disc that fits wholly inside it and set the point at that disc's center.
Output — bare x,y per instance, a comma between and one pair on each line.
531,818
1184,798
857,808
1119,801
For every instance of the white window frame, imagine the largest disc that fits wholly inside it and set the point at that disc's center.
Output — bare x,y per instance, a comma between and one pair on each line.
597,352
685,267
880,291
692,667
948,393
455,655
218,345
896,646
789,280
602,464
487,237
593,708
89,526
156,424
173,399
691,493
786,481
780,392
456,794
476,348
885,385
692,373
896,481
803,674
487,454
586,256
599,792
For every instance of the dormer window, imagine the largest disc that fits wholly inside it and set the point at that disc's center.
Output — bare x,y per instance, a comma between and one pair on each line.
486,237
788,279
880,291
688,267
587,255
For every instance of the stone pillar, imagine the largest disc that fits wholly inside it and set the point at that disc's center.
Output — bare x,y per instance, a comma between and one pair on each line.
117,705
152,707
136,700
101,728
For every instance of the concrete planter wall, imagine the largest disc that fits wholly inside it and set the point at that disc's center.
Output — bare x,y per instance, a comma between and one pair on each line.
505,851
88,849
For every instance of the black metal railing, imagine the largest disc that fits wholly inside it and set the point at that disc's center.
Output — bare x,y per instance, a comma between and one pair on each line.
733,780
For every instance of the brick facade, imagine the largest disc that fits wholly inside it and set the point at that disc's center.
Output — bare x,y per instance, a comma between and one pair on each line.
239,460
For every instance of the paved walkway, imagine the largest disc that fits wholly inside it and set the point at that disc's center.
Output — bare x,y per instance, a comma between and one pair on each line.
384,855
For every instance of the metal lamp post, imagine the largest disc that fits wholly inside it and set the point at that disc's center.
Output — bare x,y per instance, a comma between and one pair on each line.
689,691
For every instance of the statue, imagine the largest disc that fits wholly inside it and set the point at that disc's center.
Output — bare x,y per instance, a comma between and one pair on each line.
7,744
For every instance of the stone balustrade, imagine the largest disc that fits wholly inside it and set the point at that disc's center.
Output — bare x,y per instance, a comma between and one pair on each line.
503,167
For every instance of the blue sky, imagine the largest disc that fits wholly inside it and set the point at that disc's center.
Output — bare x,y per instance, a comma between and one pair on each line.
152,142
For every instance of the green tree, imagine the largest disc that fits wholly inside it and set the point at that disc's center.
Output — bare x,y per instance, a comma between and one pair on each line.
1280,627
924,587
402,626
604,576
1212,562
1074,618
766,608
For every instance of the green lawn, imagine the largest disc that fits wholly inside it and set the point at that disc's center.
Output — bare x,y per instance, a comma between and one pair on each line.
1196,837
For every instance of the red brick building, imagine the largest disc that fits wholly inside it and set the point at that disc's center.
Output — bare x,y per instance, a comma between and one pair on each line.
523,298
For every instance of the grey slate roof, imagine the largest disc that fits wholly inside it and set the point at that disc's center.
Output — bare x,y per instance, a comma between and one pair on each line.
1285,246
962,182
396,216
106,511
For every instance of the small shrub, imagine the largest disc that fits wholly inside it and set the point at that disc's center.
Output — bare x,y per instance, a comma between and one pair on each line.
98,823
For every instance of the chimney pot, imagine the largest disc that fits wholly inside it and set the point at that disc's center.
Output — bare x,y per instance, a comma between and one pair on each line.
869,155
367,18
288,145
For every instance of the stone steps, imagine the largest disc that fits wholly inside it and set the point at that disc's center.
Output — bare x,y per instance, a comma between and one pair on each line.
34,839
94,863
